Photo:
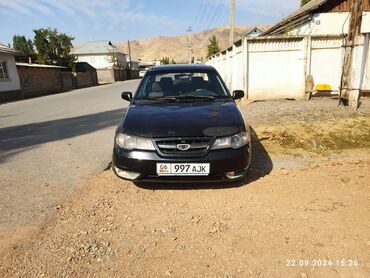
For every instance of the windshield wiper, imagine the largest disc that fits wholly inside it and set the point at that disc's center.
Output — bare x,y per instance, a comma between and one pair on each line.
165,99
190,97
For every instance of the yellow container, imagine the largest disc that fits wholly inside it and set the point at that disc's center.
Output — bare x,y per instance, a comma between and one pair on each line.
323,87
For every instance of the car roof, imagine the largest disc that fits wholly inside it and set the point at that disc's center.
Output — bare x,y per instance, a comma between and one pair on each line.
182,67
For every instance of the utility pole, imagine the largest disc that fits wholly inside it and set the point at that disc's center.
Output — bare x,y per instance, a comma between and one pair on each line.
349,93
232,21
190,45
129,53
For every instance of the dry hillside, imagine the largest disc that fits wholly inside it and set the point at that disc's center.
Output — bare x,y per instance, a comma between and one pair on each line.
176,47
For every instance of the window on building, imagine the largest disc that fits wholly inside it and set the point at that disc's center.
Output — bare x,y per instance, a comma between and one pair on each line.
3,71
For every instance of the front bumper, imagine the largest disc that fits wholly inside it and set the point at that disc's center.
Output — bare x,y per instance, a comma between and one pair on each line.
144,163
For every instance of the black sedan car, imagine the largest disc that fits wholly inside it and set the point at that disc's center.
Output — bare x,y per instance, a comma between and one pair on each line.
182,125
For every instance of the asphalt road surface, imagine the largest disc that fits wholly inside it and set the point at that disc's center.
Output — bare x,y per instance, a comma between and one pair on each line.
48,145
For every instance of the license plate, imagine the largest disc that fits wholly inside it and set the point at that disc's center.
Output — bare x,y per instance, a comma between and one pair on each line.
183,169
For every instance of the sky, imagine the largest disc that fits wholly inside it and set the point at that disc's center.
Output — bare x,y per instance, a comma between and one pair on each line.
121,20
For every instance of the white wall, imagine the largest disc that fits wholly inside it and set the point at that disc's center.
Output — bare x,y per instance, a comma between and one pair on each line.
277,68
366,84
102,61
326,61
13,83
324,24
365,28
330,24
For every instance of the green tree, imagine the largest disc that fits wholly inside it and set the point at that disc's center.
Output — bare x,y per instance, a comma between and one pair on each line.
21,44
213,47
304,2
53,48
173,62
165,61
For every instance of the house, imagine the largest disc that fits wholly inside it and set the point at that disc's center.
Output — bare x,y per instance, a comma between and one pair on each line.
9,80
255,32
101,55
109,61
320,17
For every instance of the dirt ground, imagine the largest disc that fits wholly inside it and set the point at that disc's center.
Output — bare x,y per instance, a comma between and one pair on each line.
303,215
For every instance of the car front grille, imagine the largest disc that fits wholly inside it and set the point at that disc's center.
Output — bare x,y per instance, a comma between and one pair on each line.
191,146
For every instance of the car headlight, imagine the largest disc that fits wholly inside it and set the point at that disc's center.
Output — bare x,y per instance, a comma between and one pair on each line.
129,142
236,141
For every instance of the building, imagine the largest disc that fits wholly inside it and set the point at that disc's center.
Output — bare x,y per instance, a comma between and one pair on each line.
255,32
320,17
109,61
101,55
9,80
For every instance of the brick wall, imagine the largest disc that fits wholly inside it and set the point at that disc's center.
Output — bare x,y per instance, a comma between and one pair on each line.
68,81
86,79
39,81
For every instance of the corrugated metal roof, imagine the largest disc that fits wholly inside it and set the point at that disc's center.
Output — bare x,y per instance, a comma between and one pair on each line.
97,47
302,11
39,66
7,50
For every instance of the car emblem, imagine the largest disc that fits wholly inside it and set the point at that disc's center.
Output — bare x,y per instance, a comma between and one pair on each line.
183,147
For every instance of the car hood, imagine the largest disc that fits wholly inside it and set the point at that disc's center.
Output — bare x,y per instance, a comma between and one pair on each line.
182,119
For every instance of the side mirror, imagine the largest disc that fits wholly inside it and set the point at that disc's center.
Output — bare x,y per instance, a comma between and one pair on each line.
126,96
238,94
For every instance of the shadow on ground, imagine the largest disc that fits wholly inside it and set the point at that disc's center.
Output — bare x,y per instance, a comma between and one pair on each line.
261,165
16,139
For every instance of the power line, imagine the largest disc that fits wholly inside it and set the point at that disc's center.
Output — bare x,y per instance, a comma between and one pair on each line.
197,17
209,17
216,12
220,11
204,18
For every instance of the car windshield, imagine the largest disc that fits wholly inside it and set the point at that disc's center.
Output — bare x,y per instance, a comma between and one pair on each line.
181,85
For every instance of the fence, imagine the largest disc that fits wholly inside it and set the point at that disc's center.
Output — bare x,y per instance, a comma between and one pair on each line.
37,80
280,67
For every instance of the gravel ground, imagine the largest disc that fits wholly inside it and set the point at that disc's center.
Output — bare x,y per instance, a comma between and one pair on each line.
267,113
112,228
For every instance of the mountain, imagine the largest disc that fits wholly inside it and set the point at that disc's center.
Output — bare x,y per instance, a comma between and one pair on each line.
177,47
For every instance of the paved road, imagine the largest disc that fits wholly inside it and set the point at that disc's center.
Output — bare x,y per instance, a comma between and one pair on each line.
48,145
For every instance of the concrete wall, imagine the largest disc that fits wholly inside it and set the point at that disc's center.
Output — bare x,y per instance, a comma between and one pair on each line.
112,75
278,67
335,23
105,76
366,83
102,61
10,88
